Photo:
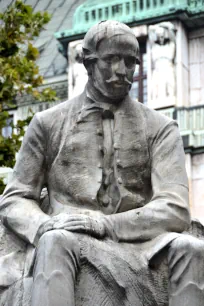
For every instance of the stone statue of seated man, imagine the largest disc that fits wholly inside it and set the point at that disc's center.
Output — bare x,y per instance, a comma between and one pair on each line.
118,193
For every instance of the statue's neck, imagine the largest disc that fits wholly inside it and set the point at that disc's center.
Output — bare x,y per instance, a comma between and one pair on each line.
95,95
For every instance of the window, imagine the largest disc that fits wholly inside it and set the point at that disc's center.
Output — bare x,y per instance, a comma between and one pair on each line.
7,130
127,8
134,6
139,86
100,13
40,108
93,13
106,12
141,4
116,10
87,16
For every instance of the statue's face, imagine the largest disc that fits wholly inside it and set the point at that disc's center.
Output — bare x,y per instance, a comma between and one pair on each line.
112,73
161,35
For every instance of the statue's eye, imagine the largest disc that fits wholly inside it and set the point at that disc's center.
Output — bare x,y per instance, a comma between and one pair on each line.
111,59
116,59
108,59
130,62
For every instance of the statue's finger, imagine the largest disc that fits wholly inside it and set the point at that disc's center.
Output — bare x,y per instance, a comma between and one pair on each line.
77,217
69,223
76,229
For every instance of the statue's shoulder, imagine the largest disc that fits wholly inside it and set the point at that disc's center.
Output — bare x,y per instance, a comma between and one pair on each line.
153,117
62,110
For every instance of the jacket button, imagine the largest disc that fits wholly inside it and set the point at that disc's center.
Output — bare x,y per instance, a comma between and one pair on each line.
120,180
99,132
116,146
118,162
100,148
105,201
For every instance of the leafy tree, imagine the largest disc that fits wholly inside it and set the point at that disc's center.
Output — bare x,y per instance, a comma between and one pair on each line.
19,73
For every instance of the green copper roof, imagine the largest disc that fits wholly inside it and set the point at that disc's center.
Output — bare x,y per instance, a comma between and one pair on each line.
127,11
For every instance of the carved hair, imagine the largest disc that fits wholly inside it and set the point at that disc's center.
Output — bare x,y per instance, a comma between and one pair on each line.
104,29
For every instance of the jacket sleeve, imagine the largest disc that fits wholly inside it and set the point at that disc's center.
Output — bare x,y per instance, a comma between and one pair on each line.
168,209
19,207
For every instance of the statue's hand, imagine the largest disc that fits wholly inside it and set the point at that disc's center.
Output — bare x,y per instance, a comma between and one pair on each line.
76,223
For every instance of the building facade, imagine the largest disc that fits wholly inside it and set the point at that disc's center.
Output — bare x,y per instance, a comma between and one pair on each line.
169,79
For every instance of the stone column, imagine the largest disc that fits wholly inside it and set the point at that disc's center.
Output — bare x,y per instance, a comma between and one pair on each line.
182,65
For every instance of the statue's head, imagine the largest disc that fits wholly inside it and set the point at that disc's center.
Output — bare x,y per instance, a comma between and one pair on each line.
110,53
161,35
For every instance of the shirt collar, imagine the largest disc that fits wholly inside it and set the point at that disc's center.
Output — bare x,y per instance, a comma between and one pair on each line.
92,104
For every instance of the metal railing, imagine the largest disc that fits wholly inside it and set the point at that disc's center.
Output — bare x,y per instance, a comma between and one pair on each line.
127,11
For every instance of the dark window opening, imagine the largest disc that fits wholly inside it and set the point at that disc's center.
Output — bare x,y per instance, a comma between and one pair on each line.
139,86
134,6
116,9
120,9
93,13
127,8
155,2
87,16
106,12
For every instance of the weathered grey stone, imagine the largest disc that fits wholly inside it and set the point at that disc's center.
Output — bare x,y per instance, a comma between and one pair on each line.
109,231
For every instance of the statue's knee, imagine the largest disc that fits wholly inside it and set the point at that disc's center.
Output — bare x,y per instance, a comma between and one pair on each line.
188,245
58,238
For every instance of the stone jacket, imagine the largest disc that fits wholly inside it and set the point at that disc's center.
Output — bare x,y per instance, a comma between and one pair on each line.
63,150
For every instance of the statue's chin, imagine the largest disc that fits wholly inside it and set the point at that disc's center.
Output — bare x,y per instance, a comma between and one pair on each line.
108,92
115,94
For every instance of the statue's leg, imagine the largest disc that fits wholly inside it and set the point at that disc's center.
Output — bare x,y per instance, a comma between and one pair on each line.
56,266
186,271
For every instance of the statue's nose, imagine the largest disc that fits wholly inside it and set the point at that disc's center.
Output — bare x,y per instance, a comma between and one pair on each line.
120,70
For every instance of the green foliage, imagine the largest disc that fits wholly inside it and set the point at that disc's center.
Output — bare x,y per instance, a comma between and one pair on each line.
19,26
9,146
19,73
2,186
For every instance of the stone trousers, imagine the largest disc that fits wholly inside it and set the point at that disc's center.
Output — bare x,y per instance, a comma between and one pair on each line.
58,262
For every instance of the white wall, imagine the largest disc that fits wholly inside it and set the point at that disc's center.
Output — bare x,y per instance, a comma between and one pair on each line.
196,67
195,172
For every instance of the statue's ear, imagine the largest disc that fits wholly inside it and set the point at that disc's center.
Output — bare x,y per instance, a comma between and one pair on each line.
89,58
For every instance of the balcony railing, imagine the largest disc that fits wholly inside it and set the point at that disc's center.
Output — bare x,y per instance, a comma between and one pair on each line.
128,11
191,124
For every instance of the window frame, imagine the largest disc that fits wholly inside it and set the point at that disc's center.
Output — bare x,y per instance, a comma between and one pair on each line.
141,75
